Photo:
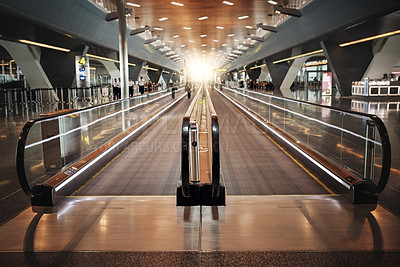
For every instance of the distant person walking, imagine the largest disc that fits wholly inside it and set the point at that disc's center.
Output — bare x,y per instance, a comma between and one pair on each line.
119,88
130,84
141,85
115,88
188,88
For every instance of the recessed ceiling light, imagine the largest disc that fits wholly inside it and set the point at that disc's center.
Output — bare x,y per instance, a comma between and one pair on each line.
243,17
224,44
183,45
158,29
132,4
249,27
176,36
191,41
163,18
230,35
171,41
213,48
203,51
215,41
236,40
177,4
187,28
203,35
203,18
203,45
220,27
227,3
272,2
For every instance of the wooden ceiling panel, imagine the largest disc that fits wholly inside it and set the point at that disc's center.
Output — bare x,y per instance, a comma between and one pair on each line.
190,44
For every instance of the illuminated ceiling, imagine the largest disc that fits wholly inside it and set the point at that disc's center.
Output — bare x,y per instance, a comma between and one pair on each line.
207,30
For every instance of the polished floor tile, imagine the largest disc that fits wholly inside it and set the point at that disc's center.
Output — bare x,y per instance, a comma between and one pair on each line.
246,223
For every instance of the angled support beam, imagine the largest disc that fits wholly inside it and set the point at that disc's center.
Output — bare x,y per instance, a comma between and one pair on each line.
140,30
248,45
151,40
267,28
256,38
287,11
159,47
237,53
114,15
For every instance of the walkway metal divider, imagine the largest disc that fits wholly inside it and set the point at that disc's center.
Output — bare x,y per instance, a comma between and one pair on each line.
199,192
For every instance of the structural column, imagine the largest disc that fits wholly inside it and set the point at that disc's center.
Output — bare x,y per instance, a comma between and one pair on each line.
385,58
123,48
167,74
154,72
347,63
291,76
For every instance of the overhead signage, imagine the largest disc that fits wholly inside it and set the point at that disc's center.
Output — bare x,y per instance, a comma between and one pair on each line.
82,70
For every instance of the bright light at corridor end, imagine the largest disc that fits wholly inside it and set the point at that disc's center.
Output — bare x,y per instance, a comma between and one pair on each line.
199,70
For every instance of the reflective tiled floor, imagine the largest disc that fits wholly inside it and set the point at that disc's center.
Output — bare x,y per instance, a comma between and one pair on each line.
247,223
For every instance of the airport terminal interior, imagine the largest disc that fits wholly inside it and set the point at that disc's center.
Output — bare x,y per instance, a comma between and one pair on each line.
200,133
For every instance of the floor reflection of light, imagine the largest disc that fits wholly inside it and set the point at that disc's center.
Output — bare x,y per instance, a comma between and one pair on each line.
65,210
103,224
361,156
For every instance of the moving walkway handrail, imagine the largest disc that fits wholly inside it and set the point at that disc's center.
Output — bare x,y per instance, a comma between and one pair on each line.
215,160
214,149
384,136
20,150
185,146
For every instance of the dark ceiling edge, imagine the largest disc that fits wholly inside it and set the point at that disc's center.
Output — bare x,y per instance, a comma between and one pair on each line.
132,40
283,40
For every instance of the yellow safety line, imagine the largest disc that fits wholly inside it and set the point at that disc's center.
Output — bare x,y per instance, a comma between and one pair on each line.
301,165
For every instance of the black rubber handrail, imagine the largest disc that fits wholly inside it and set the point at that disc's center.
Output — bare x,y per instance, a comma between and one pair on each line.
215,163
185,157
185,147
20,151
386,148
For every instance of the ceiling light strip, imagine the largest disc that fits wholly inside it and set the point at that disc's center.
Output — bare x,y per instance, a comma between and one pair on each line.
302,55
44,45
177,4
370,38
227,3
255,67
133,4
108,59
